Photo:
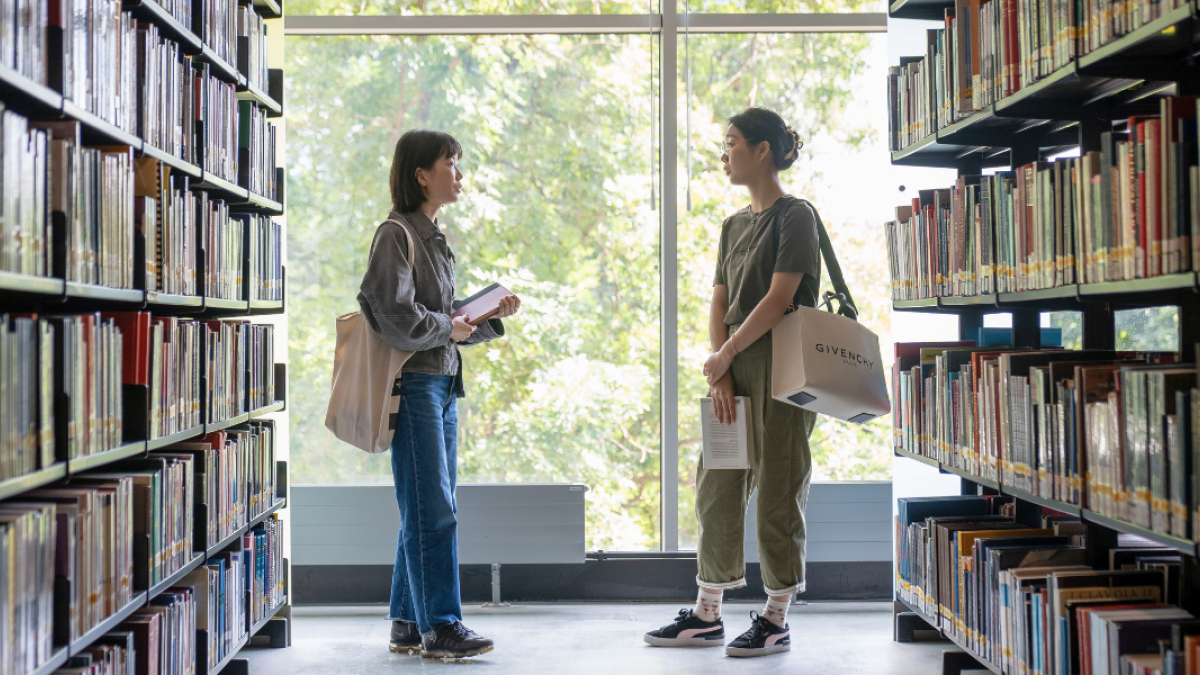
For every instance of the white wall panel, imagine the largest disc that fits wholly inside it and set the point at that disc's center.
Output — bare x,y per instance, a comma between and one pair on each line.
357,524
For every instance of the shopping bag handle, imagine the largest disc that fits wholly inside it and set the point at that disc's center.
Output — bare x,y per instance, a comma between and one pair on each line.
830,296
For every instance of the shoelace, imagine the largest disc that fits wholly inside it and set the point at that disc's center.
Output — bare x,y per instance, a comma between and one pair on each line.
758,626
460,630
682,616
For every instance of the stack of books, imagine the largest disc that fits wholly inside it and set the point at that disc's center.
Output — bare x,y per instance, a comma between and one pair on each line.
911,113
175,375
260,365
26,238
114,653
256,147
99,59
252,47
1113,431
25,50
264,571
224,238
166,213
988,50
27,395
265,237
226,371
163,520
180,9
166,95
216,24
235,477
241,368
220,586
164,633
258,441
89,411
59,193
101,228
27,540
1025,600
162,356
218,111
1130,210
94,566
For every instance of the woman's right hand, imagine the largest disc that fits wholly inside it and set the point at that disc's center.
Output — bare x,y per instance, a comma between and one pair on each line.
722,396
462,328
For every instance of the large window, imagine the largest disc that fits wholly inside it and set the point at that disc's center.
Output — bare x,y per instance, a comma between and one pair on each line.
564,204
556,132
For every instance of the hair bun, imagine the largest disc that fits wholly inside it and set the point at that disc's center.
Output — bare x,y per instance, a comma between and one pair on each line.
796,145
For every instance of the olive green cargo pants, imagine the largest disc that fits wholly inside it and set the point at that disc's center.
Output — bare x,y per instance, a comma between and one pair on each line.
781,471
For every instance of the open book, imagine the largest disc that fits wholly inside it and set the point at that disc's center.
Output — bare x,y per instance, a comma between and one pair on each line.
727,446
481,306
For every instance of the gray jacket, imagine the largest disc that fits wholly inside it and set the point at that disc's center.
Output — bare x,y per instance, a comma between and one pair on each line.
409,304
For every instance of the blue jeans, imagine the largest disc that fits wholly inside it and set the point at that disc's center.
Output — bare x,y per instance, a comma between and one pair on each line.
425,467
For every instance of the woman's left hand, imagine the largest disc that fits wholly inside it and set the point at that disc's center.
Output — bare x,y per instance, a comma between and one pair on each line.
718,364
508,306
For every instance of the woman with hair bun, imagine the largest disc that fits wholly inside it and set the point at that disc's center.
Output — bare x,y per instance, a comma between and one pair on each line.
768,262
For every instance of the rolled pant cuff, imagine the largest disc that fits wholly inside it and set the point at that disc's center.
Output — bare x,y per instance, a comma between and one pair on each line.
726,586
787,590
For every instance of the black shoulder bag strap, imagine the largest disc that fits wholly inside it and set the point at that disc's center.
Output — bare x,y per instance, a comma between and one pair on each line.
846,306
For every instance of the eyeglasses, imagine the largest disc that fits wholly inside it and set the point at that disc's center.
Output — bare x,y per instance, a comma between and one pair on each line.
727,146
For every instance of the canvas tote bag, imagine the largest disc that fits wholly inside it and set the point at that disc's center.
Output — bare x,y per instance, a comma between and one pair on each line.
364,397
826,362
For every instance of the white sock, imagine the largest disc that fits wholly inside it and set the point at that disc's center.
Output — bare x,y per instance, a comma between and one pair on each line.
708,604
777,609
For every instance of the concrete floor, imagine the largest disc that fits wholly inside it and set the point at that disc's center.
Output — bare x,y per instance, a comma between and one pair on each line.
827,639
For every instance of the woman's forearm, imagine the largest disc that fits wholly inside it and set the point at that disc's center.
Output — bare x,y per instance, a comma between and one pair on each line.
485,332
718,332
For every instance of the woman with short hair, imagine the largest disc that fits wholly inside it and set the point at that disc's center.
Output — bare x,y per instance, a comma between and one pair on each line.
768,262
408,301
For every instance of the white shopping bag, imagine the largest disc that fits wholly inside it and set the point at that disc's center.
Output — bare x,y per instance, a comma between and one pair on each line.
829,364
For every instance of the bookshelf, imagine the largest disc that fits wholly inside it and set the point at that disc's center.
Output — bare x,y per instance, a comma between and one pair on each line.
1069,107
57,292
1122,78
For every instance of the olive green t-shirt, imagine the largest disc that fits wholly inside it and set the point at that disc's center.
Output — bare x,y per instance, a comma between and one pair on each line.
747,255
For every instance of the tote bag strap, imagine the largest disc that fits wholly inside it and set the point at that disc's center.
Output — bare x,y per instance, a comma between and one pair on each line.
846,307
407,234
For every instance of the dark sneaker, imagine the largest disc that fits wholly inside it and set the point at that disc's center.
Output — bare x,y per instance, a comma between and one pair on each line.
688,630
406,639
763,638
453,641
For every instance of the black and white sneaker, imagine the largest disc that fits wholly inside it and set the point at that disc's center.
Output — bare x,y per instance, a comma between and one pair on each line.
763,638
453,641
406,639
688,630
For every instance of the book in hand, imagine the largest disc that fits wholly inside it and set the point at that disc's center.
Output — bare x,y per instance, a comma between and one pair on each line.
727,446
481,306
